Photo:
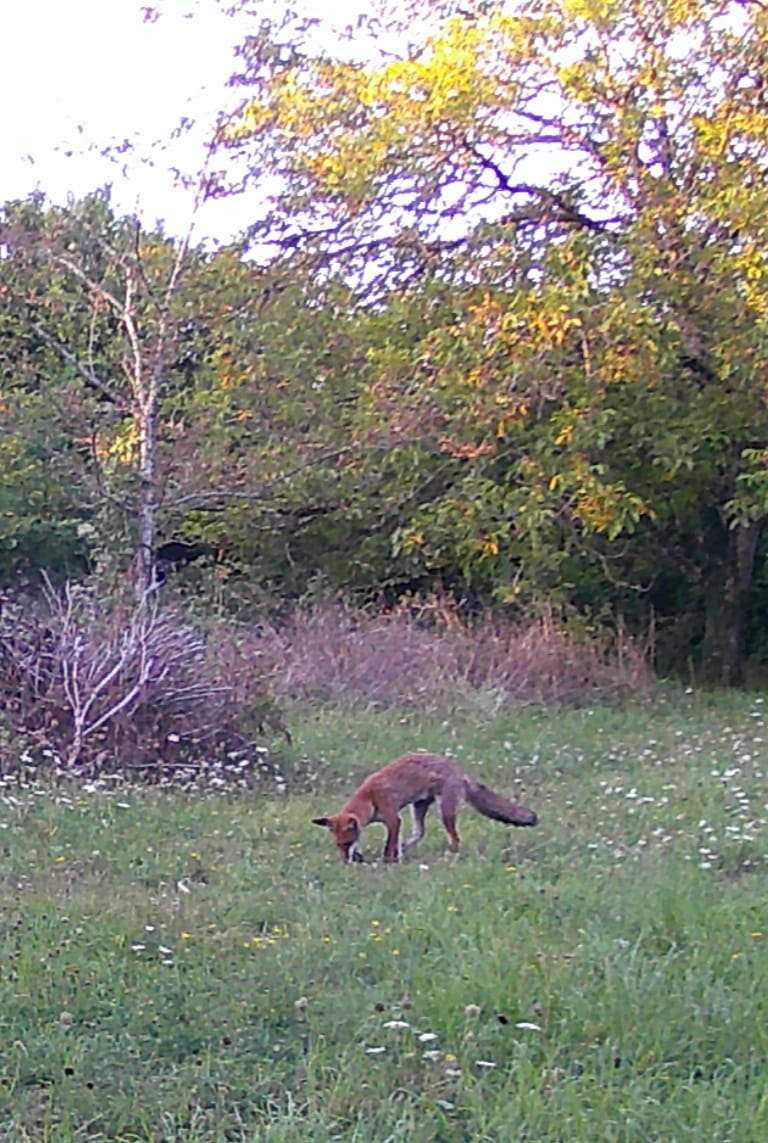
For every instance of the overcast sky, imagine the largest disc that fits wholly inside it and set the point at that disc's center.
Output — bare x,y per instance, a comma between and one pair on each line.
78,75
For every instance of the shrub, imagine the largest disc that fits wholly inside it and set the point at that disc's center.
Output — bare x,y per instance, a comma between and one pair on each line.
90,687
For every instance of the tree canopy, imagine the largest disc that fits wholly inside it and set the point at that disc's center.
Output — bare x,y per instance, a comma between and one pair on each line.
500,327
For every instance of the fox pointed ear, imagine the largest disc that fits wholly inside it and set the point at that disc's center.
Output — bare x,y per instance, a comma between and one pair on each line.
320,821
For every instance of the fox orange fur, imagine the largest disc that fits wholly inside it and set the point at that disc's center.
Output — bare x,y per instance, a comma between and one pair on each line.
416,780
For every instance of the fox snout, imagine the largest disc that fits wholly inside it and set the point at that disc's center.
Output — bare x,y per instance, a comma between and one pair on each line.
526,817
346,832
348,852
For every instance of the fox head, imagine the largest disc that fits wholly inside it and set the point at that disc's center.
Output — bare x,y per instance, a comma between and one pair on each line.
346,830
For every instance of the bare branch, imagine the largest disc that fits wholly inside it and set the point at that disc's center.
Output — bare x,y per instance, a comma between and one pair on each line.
89,376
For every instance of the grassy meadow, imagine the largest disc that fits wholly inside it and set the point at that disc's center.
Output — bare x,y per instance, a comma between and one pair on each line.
198,966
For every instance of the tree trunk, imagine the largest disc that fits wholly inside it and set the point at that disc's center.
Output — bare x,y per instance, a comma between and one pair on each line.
726,592
145,559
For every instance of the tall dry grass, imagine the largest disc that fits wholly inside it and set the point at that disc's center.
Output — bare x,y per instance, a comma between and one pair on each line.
334,654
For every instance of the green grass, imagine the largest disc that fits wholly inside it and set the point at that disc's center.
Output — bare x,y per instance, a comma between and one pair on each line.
200,967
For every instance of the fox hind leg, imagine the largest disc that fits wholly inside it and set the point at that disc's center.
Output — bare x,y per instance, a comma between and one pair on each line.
418,813
448,806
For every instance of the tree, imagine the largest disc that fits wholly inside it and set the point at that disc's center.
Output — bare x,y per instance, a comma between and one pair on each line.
572,196
93,302
221,416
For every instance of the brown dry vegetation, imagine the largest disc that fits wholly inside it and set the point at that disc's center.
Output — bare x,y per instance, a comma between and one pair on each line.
406,657
86,688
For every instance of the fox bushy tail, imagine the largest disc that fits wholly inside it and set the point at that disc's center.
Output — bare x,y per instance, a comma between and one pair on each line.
494,806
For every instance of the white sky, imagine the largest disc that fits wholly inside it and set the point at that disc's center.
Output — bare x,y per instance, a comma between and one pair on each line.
80,74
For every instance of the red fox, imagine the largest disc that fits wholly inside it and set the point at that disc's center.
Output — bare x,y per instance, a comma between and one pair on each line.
416,780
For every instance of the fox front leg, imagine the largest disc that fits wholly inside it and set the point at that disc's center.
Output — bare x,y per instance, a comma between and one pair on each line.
392,847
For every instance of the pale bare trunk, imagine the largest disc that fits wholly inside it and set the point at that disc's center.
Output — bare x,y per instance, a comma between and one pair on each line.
145,561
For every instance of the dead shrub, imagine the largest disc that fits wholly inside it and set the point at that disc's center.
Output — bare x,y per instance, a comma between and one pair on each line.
90,688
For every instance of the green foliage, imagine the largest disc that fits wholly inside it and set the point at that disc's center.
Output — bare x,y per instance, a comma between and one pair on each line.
42,516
